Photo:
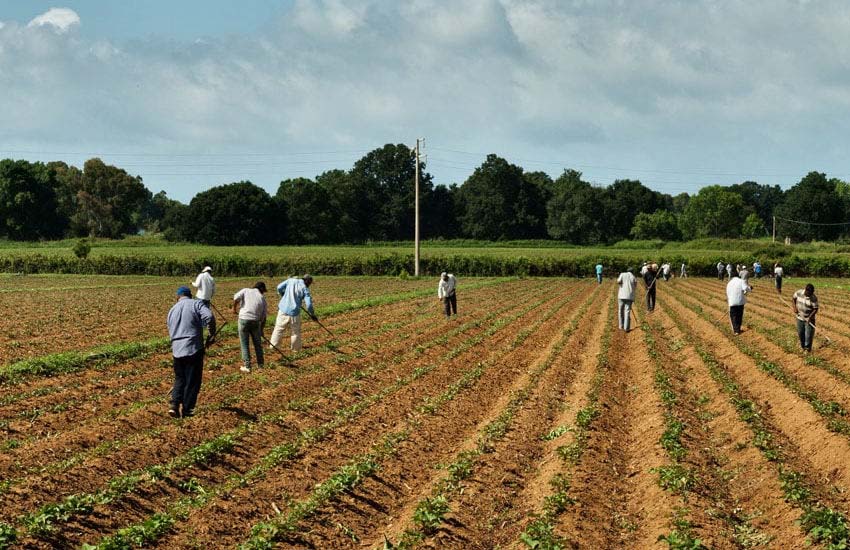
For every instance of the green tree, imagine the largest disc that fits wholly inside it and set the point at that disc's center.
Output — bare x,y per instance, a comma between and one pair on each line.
577,210
713,212
813,201
108,201
499,203
311,214
234,214
762,199
28,206
680,202
627,199
753,227
661,224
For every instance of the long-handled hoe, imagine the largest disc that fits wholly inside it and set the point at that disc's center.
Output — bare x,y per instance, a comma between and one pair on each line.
332,335
820,331
277,349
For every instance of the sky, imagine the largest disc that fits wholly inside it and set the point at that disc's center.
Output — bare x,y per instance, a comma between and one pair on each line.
191,94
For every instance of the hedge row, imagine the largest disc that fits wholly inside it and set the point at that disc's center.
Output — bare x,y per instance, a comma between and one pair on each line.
578,265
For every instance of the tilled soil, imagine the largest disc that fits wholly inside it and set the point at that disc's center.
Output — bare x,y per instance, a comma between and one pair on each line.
530,356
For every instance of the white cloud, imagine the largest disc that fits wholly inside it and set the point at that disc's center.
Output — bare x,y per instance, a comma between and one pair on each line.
60,18
642,84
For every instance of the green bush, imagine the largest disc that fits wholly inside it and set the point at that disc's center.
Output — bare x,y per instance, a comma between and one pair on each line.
82,249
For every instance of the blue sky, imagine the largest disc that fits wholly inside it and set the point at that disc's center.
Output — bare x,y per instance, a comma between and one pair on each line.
187,94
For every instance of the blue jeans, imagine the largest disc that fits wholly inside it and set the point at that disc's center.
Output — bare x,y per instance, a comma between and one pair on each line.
250,329
188,372
599,278
806,333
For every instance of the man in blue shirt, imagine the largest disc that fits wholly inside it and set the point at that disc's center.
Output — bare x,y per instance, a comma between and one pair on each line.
599,273
186,320
293,292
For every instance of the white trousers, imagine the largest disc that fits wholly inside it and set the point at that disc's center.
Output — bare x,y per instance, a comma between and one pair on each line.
294,323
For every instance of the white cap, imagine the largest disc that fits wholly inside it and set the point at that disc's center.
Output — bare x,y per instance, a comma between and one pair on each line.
206,269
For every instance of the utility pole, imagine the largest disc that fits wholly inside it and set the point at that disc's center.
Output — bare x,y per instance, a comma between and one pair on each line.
416,208
774,228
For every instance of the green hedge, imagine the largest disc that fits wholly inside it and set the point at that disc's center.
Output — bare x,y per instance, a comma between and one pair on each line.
579,265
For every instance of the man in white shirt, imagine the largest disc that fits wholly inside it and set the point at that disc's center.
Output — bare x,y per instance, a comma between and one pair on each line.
736,295
778,273
250,304
205,284
447,293
626,296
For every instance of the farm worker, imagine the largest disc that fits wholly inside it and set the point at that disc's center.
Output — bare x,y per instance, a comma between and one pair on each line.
293,292
736,295
250,304
805,307
665,270
626,296
778,273
757,269
643,269
683,273
743,273
649,279
185,321
729,270
205,284
447,293
599,273
720,270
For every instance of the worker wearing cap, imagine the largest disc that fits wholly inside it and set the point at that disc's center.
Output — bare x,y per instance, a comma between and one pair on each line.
205,284
626,296
185,321
447,293
293,292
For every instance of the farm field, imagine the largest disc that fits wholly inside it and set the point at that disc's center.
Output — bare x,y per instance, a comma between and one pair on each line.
529,421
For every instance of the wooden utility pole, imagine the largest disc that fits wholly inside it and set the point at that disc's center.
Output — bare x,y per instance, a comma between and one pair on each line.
416,208
774,228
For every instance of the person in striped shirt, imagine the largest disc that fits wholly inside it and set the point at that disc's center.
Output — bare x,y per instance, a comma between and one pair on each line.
805,307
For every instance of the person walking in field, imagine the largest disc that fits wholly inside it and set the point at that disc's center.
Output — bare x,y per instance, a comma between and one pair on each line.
805,305
185,321
778,273
744,274
729,270
736,296
599,273
644,268
205,284
250,304
293,292
684,272
720,271
757,269
649,280
666,270
626,296
447,293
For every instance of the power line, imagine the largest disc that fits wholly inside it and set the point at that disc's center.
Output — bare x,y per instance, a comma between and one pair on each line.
811,223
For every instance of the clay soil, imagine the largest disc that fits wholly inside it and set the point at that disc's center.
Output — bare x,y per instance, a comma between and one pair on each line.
528,355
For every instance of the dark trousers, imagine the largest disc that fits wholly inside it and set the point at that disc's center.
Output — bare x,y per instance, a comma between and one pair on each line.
187,382
450,303
736,315
599,278
779,283
650,298
806,333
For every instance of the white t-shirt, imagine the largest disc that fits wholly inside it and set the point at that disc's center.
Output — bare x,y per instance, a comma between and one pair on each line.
736,291
446,288
627,284
778,271
205,285
254,306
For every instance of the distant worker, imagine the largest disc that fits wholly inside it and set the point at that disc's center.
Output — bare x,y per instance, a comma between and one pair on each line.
250,304
185,321
757,269
729,270
293,292
736,296
684,272
205,284
649,279
743,273
805,307
644,268
666,270
626,297
447,293
778,273
720,271
599,273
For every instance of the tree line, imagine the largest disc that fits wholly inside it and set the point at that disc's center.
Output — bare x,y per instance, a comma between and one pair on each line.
374,201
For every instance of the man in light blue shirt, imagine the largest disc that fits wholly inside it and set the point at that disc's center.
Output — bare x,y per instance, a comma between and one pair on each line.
293,292
185,321
599,273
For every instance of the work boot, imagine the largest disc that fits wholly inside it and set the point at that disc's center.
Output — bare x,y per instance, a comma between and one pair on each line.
245,368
